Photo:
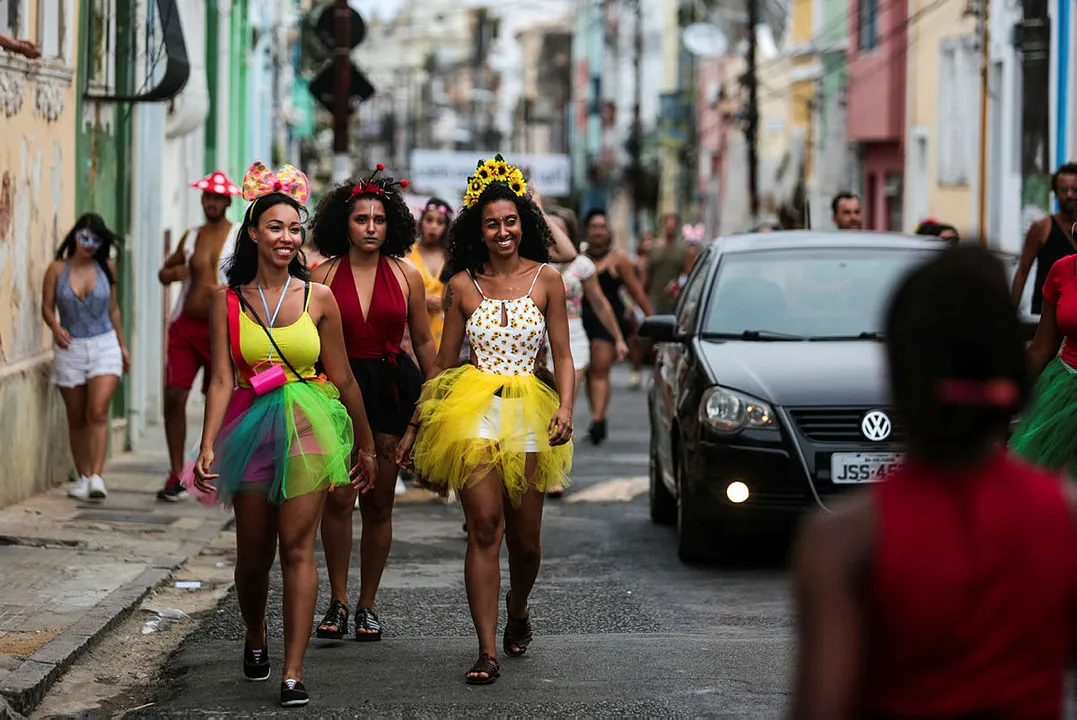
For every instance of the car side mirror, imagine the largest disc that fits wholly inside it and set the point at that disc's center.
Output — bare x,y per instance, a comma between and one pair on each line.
659,328
1029,323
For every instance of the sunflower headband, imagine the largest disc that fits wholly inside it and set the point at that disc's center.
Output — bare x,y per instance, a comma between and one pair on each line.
496,170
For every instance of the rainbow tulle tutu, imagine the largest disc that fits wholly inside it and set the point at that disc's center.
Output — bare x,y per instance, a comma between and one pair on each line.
1047,433
471,420
293,440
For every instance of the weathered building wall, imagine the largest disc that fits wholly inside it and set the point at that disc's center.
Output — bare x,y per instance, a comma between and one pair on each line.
37,208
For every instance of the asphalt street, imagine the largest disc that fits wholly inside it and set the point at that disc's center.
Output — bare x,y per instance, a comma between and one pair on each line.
622,628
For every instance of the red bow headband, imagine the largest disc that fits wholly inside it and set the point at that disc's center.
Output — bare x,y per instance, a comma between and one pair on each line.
367,187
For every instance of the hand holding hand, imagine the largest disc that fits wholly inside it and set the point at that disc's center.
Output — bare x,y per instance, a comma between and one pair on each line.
363,473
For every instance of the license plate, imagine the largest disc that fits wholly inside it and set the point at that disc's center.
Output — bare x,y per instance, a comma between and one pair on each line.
851,468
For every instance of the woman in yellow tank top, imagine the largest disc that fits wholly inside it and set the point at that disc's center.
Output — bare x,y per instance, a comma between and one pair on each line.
428,256
277,437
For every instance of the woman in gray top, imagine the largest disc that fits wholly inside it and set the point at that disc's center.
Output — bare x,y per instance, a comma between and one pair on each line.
90,354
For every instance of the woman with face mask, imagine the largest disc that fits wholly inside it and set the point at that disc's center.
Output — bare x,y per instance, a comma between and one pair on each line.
90,352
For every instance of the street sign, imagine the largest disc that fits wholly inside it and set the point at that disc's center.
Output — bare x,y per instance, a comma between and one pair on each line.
359,87
326,26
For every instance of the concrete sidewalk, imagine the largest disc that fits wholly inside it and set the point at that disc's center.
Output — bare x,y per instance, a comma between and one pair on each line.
71,570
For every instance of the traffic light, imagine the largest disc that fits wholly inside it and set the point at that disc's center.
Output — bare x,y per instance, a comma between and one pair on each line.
324,86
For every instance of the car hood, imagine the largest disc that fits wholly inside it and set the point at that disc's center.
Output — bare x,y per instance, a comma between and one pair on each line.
801,373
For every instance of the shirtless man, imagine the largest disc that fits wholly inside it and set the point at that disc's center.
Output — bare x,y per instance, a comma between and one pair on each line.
1049,239
197,263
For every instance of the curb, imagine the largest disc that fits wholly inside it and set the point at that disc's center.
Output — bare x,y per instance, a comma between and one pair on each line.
25,687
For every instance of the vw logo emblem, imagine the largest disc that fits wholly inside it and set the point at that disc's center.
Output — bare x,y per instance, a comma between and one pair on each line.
876,426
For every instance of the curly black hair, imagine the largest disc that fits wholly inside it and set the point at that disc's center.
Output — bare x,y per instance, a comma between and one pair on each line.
96,225
951,319
330,225
242,267
467,251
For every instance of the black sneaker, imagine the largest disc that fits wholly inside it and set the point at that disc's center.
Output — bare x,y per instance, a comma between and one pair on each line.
173,491
598,431
293,694
256,664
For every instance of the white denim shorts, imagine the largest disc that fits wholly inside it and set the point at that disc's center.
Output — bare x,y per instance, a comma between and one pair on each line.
86,358
490,427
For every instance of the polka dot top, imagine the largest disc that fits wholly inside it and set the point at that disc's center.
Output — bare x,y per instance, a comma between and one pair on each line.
505,335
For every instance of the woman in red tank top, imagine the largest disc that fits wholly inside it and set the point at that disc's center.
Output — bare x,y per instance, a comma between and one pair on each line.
365,228
950,589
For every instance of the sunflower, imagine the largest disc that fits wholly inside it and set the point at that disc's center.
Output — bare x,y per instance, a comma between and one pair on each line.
483,173
516,176
502,170
476,186
517,187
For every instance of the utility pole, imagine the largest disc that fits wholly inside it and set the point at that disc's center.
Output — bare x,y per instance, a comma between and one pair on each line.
636,141
752,132
341,91
985,66
1035,44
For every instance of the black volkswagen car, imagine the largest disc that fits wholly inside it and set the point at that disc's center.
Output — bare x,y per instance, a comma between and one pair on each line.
769,388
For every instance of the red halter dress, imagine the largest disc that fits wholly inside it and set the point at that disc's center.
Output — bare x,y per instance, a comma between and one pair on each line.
389,379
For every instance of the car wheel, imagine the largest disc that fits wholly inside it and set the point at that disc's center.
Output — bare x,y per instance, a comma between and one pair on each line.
663,504
691,535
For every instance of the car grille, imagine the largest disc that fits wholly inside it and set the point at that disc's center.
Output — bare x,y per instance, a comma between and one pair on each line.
837,425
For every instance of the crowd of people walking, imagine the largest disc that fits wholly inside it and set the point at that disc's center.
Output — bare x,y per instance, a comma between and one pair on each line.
453,346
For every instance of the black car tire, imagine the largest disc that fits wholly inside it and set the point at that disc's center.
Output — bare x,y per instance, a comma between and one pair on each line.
691,534
663,504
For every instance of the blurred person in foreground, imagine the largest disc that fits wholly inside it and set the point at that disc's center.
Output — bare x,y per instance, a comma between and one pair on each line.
950,589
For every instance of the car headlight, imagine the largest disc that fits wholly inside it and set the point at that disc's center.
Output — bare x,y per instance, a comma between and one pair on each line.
728,411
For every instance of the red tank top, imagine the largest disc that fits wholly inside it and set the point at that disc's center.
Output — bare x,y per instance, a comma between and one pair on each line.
378,335
974,593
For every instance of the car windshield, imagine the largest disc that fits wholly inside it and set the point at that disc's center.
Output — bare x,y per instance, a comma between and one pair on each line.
809,294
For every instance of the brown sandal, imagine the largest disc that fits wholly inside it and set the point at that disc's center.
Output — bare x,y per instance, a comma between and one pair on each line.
518,634
485,664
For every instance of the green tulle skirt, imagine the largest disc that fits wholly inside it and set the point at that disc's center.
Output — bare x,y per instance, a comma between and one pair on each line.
1047,433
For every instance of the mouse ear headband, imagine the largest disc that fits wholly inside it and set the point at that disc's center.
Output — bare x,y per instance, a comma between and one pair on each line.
380,187
260,181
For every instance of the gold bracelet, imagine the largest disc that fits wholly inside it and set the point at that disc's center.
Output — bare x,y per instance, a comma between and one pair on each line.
364,453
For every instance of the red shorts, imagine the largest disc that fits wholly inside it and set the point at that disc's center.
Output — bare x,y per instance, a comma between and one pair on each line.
188,351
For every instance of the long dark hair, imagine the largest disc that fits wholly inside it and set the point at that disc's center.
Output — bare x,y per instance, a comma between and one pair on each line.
96,225
330,223
952,322
243,266
467,251
436,203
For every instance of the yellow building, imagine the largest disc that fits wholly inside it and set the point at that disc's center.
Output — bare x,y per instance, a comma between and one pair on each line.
943,116
38,110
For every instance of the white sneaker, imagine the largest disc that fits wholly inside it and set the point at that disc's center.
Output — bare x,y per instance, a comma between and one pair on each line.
81,489
97,488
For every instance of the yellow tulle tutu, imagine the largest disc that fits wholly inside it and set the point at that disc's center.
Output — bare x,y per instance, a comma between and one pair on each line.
471,420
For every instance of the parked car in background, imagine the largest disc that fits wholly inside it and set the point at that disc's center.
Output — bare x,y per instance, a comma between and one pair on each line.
769,384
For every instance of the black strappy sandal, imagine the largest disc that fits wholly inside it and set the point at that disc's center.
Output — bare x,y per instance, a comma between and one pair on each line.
367,619
518,634
337,618
485,664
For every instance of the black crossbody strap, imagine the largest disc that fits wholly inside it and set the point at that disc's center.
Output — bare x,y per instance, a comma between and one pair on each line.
247,305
